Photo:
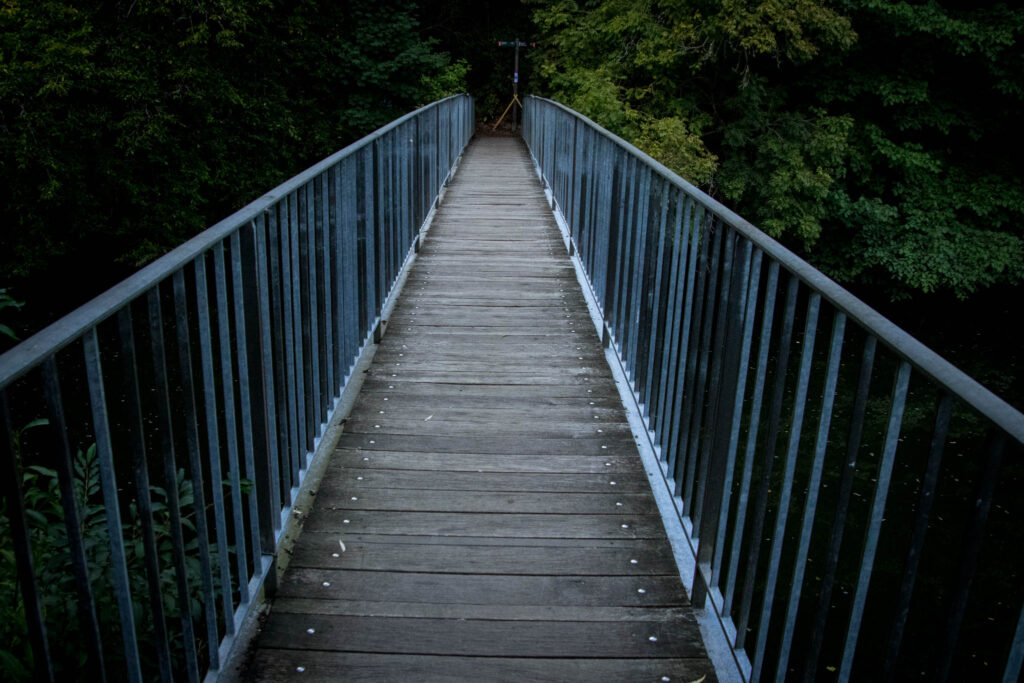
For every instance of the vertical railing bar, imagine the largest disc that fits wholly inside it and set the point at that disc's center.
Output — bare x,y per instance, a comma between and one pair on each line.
752,285
691,438
230,424
917,538
689,235
846,481
165,432
719,317
311,328
720,448
767,318
300,334
683,469
267,365
111,505
665,342
129,375
340,360
647,295
779,535
1015,659
326,235
86,606
350,261
213,441
380,220
633,265
286,228
245,399
15,510
885,466
195,464
623,262
279,353
640,269
369,170
973,537
662,299
638,316
774,414
813,487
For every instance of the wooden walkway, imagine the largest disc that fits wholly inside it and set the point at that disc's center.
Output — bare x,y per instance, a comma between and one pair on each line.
496,520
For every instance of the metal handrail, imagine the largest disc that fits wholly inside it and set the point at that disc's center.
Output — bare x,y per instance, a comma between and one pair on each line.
703,311
217,367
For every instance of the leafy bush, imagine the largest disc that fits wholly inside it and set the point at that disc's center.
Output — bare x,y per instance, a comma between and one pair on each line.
48,535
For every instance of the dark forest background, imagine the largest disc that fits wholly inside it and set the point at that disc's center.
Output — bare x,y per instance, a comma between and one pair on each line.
872,137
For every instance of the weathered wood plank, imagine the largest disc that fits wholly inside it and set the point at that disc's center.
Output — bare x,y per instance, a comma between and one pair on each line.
321,666
632,481
482,524
420,500
466,637
322,550
482,589
345,458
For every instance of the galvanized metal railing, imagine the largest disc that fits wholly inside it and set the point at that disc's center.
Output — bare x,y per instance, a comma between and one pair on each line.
852,506
153,440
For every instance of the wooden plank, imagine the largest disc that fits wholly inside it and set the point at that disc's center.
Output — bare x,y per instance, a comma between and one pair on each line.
632,481
428,422
346,458
464,637
432,610
480,444
477,524
421,500
326,667
483,589
321,550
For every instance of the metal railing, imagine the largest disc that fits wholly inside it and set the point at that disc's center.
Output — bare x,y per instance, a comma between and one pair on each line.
850,499
153,440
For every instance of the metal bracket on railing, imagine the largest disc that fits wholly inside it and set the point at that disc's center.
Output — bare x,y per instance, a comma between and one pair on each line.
379,330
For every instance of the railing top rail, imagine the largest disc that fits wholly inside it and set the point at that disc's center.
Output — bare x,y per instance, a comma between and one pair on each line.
59,334
927,361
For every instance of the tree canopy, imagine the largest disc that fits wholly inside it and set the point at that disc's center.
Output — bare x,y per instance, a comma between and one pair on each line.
872,136
128,126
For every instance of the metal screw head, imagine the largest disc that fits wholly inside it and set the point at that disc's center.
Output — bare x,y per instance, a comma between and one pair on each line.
634,562
653,639
641,590
310,631
300,669
326,584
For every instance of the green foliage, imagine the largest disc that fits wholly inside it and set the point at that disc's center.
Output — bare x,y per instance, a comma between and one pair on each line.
872,136
48,536
127,127
7,301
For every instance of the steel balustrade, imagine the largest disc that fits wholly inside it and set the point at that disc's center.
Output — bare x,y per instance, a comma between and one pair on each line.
837,529
203,385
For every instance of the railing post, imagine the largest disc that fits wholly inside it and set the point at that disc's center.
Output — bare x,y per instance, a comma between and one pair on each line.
15,509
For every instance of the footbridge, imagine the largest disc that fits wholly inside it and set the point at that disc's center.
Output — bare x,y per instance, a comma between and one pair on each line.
447,407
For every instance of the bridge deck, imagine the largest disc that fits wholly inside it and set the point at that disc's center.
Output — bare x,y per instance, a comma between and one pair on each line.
496,520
